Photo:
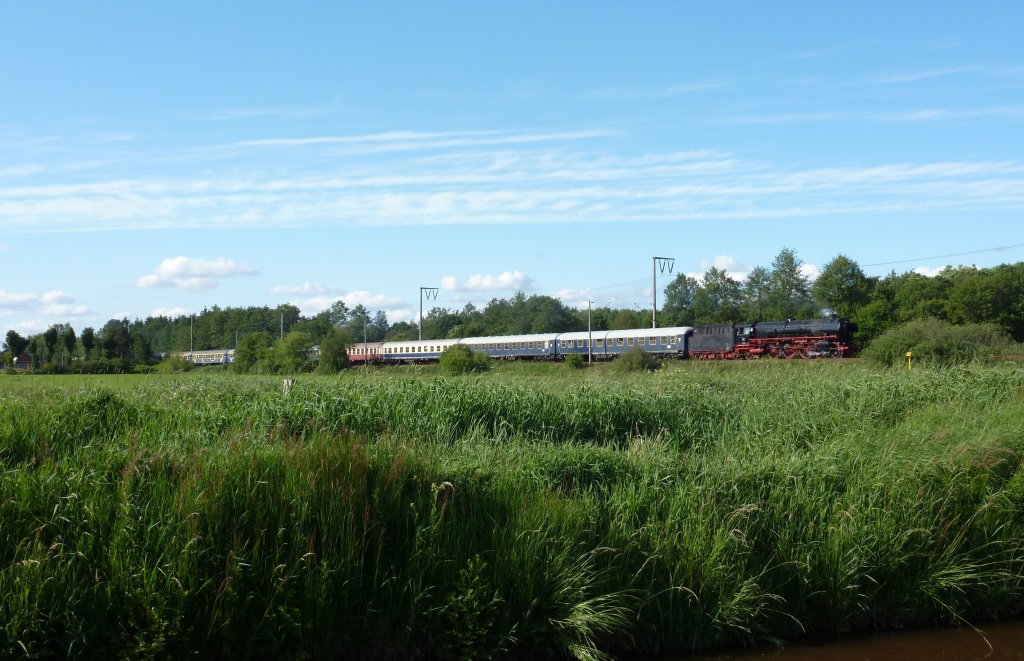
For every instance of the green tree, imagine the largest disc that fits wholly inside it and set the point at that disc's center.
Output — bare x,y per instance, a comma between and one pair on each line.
378,327
251,351
756,293
88,341
50,338
15,343
626,319
69,340
981,295
789,290
338,313
359,323
679,297
460,359
717,299
916,296
334,351
842,286
293,351
546,314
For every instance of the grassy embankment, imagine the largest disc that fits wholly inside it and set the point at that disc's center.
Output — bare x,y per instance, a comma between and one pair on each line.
701,506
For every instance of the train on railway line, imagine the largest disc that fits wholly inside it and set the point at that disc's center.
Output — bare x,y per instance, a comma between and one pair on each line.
807,338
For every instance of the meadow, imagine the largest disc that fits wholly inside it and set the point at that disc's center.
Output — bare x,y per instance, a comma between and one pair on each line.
531,511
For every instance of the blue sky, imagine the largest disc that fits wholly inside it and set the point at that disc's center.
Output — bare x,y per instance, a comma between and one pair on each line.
159,158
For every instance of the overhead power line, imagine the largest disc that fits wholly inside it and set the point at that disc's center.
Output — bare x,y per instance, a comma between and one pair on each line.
953,254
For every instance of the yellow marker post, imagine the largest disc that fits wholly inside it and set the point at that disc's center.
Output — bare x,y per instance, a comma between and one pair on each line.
909,354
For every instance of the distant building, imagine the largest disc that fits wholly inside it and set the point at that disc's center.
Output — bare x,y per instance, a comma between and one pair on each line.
23,362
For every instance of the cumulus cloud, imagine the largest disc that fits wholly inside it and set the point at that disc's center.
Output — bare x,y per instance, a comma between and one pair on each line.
810,270
395,308
193,274
732,266
739,271
507,281
54,303
170,312
577,298
928,271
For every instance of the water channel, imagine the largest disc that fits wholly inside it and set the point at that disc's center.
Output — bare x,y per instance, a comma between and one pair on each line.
996,641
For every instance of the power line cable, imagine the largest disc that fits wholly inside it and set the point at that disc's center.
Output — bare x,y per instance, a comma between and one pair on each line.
954,254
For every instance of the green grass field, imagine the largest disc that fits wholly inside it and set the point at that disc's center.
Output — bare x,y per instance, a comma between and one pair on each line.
532,511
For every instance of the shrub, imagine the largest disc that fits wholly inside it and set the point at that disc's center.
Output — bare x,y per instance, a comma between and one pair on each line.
173,364
937,342
460,359
637,360
575,361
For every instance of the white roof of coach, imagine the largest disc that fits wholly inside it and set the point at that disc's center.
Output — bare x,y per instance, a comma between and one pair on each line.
581,335
416,344
650,332
534,337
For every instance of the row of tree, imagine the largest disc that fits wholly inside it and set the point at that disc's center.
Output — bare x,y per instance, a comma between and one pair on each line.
960,295
282,339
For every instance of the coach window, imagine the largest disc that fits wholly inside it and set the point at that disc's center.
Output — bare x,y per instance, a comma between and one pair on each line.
652,341
630,341
641,341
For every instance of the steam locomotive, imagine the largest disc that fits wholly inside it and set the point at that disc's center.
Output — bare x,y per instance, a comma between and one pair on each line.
806,338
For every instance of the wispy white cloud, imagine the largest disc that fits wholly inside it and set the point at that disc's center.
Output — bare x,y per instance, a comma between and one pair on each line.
895,116
412,140
193,274
305,289
5,247
507,281
671,91
253,113
115,137
25,170
926,74
54,303
562,182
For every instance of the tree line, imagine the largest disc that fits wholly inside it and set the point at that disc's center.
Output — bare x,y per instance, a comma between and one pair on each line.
281,339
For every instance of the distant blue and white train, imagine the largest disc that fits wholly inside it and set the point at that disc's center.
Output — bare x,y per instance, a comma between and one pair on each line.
604,344
208,357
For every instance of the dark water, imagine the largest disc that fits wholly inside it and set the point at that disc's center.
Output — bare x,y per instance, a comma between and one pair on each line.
1002,641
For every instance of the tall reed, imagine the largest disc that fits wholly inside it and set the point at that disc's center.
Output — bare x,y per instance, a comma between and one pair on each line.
412,516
